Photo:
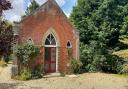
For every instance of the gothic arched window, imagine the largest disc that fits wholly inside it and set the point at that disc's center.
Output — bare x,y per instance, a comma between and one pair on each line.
69,45
50,40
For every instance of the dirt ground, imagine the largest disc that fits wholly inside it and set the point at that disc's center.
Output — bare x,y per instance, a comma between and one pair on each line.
82,81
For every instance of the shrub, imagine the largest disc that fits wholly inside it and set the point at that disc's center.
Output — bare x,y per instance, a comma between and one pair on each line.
27,52
75,65
92,57
113,64
97,59
8,58
62,74
37,72
97,63
25,74
124,69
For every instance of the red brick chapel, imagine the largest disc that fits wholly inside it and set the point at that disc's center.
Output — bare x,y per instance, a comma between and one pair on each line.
50,30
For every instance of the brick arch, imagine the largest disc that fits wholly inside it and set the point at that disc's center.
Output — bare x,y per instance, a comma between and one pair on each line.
51,31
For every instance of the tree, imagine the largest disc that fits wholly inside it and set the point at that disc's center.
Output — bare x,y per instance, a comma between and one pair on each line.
6,38
124,30
100,23
33,6
100,20
6,33
4,5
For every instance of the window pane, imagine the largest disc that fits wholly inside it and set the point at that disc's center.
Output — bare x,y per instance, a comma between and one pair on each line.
50,40
48,37
52,37
68,44
47,54
53,54
47,42
53,42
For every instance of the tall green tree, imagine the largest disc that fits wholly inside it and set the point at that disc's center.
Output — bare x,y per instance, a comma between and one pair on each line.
100,23
33,6
6,38
100,20
6,33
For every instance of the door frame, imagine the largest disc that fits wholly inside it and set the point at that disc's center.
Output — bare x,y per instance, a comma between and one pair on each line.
52,46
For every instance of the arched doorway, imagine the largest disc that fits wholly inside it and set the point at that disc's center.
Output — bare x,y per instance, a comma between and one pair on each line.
50,59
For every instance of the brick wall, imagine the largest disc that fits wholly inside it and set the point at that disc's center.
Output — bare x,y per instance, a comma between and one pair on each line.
38,23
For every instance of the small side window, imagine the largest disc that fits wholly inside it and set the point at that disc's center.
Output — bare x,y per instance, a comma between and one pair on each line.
30,41
69,45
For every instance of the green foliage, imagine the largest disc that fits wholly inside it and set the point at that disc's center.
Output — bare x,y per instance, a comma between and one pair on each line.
100,20
6,33
124,39
62,74
27,52
92,56
95,59
75,65
124,30
6,38
100,23
8,58
122,53
124,69
24,75
27,74
32,7
113,64
37,72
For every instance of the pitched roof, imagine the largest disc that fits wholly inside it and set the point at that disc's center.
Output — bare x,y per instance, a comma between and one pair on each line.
44,6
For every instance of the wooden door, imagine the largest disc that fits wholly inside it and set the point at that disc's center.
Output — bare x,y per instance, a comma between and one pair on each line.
50,59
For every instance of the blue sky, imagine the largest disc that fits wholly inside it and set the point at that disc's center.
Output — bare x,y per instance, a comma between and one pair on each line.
19,7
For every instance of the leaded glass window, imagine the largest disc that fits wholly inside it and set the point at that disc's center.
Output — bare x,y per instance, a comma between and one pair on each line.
50,40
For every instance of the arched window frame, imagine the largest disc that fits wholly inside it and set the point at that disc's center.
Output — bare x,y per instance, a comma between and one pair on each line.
30,41
69,43
50,40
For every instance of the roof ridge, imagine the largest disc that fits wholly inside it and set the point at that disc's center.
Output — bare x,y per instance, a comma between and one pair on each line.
35,11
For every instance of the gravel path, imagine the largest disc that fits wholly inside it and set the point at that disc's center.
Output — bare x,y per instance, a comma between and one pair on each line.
83,81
